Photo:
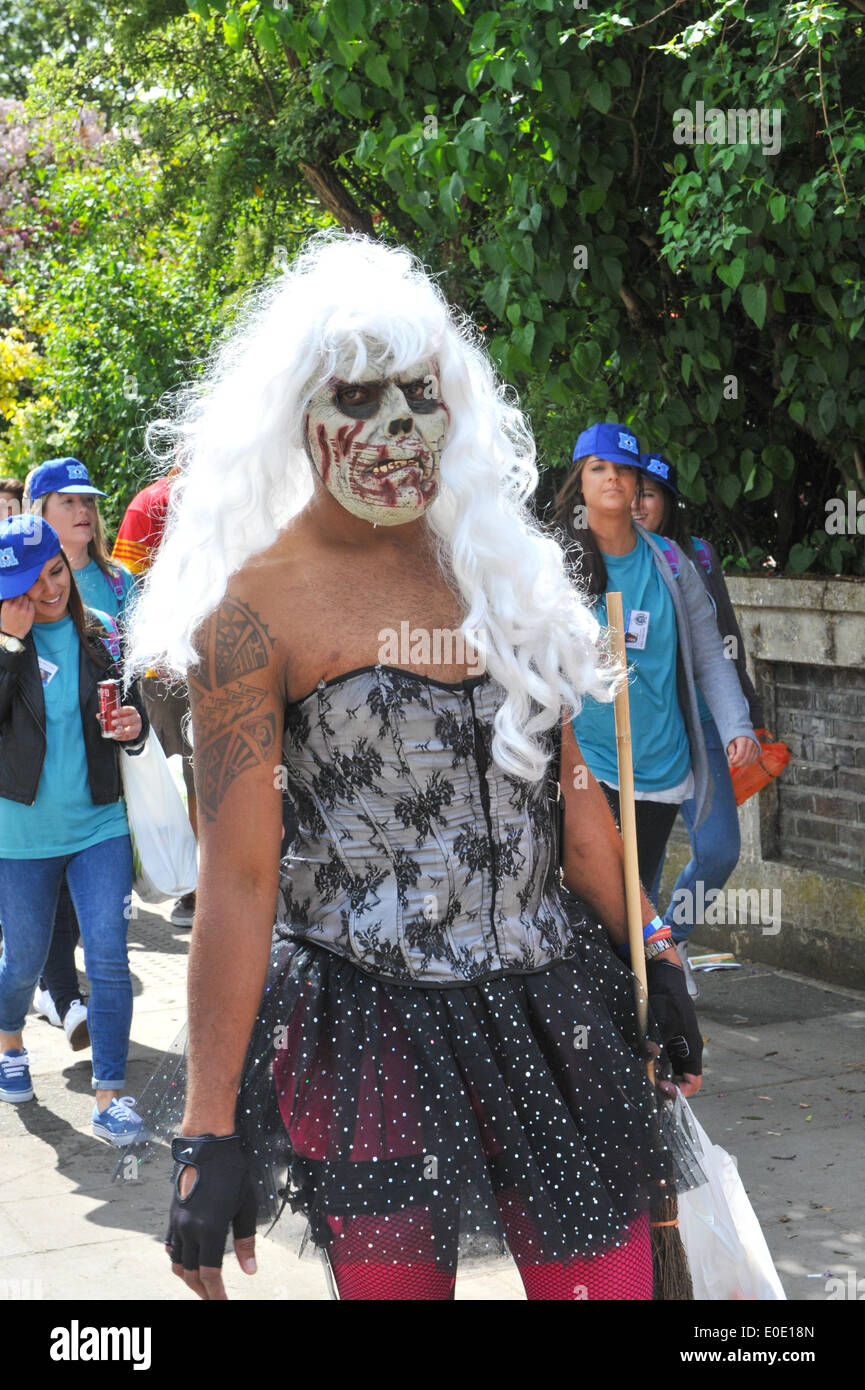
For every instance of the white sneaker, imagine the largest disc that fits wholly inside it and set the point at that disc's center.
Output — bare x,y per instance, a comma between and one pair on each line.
46,1008
690,982
183,912
75,1025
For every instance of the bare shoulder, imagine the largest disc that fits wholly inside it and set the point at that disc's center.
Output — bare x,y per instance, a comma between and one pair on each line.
236,696
235,640
244,634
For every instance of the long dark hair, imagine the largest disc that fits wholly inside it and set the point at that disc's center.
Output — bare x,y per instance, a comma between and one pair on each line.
673,521
584,551
89,629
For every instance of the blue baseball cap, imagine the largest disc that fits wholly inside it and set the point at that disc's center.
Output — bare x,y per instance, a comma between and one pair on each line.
659,468
26,544
62,475
614,442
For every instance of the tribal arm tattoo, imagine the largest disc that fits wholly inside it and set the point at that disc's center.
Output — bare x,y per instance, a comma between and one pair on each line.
233,722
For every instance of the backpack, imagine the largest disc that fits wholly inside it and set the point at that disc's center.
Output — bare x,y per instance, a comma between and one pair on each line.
111,637
115,579
700,547
702,555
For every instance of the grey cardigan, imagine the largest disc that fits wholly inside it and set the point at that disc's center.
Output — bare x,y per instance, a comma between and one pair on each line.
716,587
701,660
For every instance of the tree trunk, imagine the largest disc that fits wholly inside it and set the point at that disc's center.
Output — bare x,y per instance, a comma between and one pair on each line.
334,196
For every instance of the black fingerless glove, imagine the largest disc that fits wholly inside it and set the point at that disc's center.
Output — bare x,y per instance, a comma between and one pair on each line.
674,1013
221,1196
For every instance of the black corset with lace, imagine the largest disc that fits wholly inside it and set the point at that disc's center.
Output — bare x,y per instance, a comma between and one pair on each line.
416,856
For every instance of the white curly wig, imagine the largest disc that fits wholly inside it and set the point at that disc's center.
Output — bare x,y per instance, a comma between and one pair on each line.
344,304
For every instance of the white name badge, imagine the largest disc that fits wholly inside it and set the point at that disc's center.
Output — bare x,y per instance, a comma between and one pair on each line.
636,628
47,670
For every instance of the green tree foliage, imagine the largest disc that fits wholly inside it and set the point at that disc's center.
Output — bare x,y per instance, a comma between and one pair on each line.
708,293
31,31
702,285
141,190
101,301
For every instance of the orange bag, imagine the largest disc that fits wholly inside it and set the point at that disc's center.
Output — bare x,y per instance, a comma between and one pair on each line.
773,759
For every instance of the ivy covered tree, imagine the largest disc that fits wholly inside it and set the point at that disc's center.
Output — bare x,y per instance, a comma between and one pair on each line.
654,211
705,288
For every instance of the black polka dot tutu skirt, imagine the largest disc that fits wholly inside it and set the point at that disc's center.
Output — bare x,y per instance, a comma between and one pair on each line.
460,1120
456,1110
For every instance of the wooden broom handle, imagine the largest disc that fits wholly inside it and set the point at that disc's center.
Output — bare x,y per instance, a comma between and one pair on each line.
627,816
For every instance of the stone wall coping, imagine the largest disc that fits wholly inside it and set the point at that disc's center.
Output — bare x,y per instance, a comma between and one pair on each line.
823,595
817,622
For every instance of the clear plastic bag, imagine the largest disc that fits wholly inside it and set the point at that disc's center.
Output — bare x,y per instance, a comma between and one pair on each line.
163,845
726,1249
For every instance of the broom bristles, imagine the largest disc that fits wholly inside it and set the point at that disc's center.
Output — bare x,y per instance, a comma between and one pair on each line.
671,1277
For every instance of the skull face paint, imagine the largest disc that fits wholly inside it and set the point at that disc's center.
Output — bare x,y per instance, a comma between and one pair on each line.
376,443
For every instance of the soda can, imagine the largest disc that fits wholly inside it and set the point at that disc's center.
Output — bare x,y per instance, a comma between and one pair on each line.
109,705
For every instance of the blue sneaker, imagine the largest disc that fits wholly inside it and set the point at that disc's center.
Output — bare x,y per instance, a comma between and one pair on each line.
15,1083
118,1123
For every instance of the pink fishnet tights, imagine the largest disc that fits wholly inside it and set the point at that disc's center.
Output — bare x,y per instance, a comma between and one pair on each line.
391,1258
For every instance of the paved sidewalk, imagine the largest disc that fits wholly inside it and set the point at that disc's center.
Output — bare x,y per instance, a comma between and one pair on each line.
784,1091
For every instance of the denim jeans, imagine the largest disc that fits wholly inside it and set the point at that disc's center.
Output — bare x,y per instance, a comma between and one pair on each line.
715,845
59,976
100,881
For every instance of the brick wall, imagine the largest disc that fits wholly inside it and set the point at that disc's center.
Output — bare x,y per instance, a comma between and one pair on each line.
804,835
819,711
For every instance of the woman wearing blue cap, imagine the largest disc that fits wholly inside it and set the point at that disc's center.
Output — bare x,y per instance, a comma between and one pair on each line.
61,491
715,844
672,643
61,810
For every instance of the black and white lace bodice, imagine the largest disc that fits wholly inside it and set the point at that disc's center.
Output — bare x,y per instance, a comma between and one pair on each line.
416,856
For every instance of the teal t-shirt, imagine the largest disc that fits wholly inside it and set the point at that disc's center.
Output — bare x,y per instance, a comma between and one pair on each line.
659,739
63,818
98,592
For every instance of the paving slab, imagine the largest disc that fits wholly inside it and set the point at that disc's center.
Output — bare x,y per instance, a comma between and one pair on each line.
12,1240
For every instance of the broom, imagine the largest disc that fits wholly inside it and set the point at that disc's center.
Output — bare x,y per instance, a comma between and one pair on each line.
671,1278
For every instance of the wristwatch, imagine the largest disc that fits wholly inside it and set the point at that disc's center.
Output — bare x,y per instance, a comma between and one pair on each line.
655,948
8,643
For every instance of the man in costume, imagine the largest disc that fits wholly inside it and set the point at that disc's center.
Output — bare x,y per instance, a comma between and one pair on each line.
435,1041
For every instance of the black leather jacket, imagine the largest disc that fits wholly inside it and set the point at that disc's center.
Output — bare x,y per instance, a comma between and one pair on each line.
22,725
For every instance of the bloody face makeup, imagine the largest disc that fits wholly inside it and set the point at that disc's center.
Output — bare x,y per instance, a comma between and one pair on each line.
376,443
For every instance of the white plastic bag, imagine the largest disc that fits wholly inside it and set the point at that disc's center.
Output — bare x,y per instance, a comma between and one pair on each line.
163,845
726,1249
